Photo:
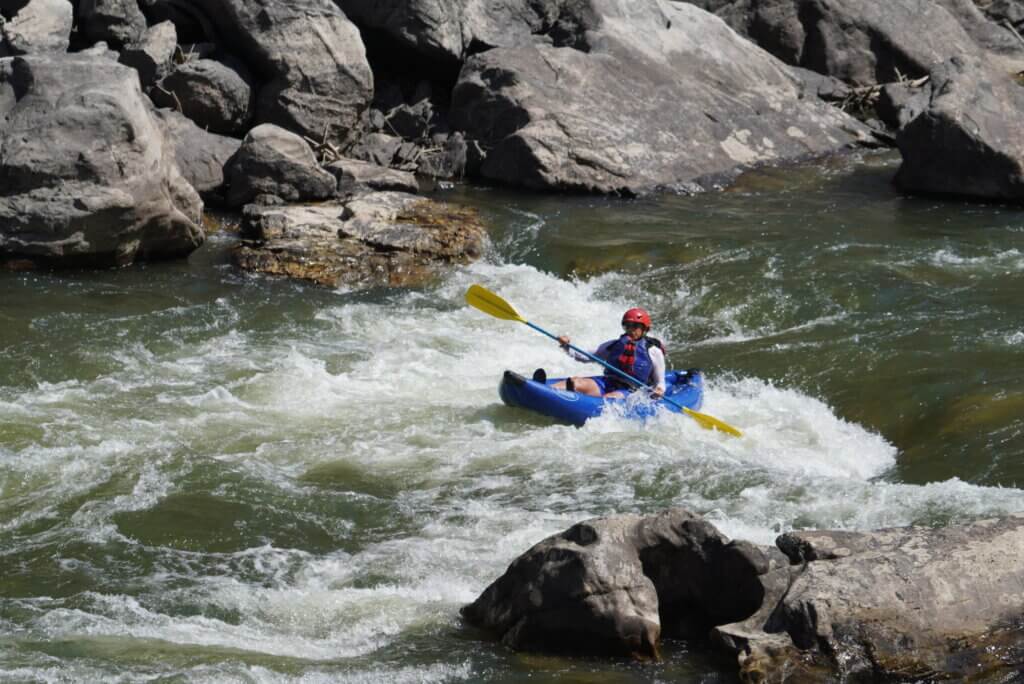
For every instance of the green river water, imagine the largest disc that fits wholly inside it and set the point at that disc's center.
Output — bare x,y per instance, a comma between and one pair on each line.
210,476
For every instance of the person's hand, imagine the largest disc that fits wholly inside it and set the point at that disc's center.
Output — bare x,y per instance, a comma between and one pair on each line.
657,393
563,340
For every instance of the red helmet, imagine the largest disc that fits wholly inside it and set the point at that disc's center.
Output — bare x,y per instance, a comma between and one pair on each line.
637,316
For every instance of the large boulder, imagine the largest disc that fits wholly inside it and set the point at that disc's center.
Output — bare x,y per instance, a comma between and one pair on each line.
113,194
902,603
616,585
116,22
864,42
216,95
39,26
202,156
151,56
643,96
318,81
969,140
273,161
451,29
380,239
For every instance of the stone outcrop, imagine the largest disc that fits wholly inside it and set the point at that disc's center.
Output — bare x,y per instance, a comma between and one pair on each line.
317,81
451,29
116,22
864,42
216,96
969,140
39,26
380,239
151,56
643,97
273,161
201,156
615,586
896,604
113,194
355,176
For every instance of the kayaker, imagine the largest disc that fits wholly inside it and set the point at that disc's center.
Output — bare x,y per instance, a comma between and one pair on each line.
634,353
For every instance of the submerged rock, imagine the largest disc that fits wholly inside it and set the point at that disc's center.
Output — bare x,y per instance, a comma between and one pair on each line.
905,603
113,194
383,238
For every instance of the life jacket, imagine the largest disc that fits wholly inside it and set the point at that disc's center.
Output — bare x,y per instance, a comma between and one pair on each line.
632,358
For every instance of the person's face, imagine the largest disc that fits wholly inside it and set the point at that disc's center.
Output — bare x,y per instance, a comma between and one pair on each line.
634,330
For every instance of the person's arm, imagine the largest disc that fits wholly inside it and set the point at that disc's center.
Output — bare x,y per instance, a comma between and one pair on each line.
657,370
576,356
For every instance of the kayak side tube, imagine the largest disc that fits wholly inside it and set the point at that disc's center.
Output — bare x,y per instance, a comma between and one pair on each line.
683,387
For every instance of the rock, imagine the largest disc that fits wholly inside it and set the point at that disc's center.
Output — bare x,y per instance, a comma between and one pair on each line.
39,26
191,22
659,96
201,155
113,194
905,603
899,103
152,55
381,239
354,175
613,586
445,160
450,29
377,148
218,97
865,42
274,161
969,141
116,22
318,82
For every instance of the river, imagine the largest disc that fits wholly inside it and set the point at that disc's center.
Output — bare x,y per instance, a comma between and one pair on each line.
211,476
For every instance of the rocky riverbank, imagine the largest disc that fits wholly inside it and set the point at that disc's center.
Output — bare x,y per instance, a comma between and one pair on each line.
899,604
120,118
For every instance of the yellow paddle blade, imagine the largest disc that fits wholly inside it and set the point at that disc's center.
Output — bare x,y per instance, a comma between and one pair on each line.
481,298
712,423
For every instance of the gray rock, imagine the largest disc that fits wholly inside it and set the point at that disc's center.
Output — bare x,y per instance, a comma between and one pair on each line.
152,55
906,603
665,97
274,161
614,586
969,141
864,42
380,239
318,82
213,94
86,177
354,175
190,21
201,155
116,22
377,148
449,29
40,26
899,103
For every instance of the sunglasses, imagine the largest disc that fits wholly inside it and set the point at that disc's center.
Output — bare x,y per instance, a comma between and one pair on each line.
630,326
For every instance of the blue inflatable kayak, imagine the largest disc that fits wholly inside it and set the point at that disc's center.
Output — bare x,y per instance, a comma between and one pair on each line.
683,387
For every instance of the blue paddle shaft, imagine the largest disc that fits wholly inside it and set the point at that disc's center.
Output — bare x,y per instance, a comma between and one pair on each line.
604,363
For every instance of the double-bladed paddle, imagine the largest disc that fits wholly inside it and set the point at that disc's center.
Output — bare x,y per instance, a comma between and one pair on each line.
481,298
